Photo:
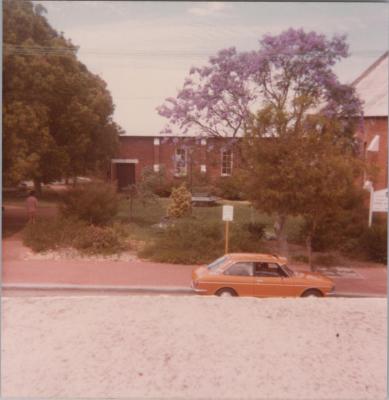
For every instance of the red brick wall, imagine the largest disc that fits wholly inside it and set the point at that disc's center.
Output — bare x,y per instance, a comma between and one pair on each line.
148,154
143,149
137,148
376,126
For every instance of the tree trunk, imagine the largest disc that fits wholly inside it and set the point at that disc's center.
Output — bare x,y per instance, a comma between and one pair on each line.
252,214
280,229
38,187
309,250
131,205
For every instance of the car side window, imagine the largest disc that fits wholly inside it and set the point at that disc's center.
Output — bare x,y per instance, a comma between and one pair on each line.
240,269
265,269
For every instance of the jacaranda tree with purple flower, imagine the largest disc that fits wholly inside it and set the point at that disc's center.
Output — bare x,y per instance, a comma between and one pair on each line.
291,72
285,92
214,100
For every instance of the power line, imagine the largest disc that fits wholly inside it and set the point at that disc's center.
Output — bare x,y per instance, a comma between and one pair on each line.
46,50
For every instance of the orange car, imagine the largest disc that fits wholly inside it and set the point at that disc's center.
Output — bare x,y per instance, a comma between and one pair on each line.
258,275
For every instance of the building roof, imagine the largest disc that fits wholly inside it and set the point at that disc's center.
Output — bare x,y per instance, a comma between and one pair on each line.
372,88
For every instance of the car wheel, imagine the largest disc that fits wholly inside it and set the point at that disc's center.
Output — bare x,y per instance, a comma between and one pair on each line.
312,293
226,293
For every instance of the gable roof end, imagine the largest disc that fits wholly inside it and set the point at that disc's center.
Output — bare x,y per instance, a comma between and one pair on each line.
372,88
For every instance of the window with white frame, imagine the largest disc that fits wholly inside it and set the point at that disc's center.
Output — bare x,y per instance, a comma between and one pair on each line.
226,162
180,162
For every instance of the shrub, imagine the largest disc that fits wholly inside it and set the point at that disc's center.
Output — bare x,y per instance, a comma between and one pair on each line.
180,202
300,258
153,182
229,188
294,230
51,234
327,260
57,233
99,240
188,242
192,241
341,230
242,240
95,203
256,229
374,243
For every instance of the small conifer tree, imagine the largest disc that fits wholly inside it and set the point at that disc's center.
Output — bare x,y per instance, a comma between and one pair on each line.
180,202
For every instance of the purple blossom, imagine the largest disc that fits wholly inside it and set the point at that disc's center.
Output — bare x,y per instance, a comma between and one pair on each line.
291,71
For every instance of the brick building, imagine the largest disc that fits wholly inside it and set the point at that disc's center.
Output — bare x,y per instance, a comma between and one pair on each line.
372,88
214,158
209,158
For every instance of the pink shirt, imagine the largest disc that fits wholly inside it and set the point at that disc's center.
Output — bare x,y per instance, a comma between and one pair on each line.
31,203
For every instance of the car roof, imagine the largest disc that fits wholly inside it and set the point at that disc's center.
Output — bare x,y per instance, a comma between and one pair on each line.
256,257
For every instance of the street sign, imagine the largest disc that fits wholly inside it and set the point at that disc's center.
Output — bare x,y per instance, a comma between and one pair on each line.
228,213
380,201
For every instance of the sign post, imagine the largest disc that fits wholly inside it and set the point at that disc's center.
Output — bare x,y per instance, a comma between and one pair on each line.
378,200
228,215
227,234
369,186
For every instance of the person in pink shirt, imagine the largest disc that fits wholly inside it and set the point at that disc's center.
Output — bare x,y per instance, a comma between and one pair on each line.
32,206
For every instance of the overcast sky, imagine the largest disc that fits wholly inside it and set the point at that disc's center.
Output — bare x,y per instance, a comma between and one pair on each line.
144,50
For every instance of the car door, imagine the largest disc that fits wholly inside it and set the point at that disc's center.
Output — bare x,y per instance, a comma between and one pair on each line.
240,277
270,280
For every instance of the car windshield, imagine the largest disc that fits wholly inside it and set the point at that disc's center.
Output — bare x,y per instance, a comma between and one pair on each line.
214,265
288,270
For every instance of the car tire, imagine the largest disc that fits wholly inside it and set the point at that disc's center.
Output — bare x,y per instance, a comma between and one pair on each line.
226,292
312,293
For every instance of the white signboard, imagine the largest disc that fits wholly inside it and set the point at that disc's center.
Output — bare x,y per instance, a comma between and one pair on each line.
380,201
228,213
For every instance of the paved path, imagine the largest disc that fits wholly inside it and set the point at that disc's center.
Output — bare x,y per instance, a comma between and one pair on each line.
17,270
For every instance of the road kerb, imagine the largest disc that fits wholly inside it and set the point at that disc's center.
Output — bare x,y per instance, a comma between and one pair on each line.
103,288
135,289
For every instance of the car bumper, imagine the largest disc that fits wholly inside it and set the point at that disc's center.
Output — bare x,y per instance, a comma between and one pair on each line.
331,292
197,290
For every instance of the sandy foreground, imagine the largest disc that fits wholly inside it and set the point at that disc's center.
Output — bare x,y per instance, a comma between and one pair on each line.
165,347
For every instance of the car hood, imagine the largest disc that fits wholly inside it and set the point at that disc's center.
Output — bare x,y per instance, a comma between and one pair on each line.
199,272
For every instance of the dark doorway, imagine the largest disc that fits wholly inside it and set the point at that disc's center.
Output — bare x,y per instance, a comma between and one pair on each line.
125,174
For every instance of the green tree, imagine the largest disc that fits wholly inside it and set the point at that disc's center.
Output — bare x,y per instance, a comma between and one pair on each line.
57,115
309,172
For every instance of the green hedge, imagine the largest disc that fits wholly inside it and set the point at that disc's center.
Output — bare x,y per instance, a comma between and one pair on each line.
61,232
191,241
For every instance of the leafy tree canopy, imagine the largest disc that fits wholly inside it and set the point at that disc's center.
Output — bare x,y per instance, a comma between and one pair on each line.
57,115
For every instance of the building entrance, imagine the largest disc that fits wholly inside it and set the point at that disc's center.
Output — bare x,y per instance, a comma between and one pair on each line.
125,173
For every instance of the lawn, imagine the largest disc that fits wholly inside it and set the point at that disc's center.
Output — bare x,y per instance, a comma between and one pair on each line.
145,217
48,198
